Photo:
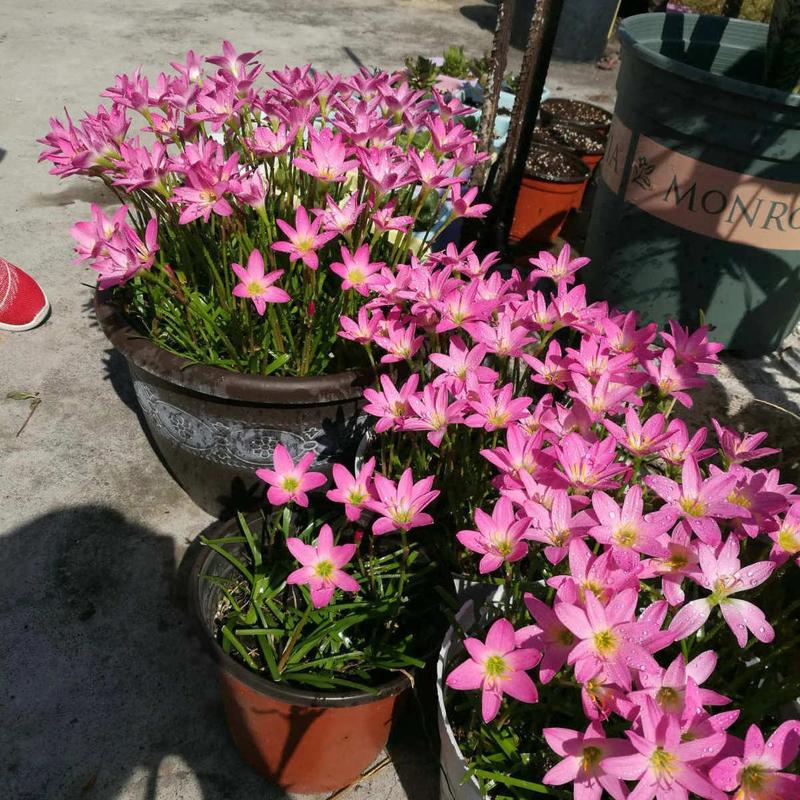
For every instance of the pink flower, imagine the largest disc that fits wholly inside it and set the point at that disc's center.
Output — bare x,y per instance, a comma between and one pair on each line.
434,413
352,490
231,61
611,641
603,397
327,157
496,667
553,371
385,220
322,566
693,348
696,501
663,765
723,575
400,342
557,526
392,404
460,364
581,764
289,481
496,409
676,690
548,635
363,329
678,446
787,537
340,218
304,239
401,505
736,448
257,285
640,438
593,574
463,207
499,538
625,530
523,454
266,142
559,269
671,379
589,466
356,270
757,773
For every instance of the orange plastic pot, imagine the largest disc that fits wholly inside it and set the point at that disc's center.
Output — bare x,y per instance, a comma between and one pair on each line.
303,741
543,205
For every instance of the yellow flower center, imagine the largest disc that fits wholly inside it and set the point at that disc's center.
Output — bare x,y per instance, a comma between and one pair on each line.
323,569
497,417
356,497
788,539
677,561
754,779
605,643
693,506
739,499
590,757
663,762
254,288
289,483
668,698
625,535
356,275
208,196
495,667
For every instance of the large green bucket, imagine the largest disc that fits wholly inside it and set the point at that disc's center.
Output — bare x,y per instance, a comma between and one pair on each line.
697,207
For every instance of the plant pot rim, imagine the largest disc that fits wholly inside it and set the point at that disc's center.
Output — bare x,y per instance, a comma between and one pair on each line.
632,28
582,171
283,692
218,382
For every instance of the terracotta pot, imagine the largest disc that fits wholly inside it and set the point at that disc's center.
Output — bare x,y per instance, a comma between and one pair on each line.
214,428
302,741
544,203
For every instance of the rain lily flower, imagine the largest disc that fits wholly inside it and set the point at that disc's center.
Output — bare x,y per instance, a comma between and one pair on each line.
356,270
723,575
625,531
556,526
693,348
363,329
589,466
352,490
678,446
581,764
697,501
463,206
672,380
321,568
640,438
326,157
500,538
461,363
257,285
610,639
736,448
392,404
548,635
663,764
401,505
560,268
289,482
757,773
304,239
496,409
434,413
496,667
787,537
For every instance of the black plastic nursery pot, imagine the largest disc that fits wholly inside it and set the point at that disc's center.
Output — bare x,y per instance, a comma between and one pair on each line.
214,428
303,741
697,206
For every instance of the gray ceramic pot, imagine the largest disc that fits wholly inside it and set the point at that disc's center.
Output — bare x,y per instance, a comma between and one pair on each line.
214,428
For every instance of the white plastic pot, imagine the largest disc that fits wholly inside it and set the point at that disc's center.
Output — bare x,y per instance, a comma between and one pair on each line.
452,764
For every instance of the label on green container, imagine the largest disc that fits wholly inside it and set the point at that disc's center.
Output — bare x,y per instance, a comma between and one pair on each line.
709,200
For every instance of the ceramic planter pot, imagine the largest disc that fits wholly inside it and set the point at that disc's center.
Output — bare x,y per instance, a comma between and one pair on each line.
214,428
453,768
697,203
303,741
545,201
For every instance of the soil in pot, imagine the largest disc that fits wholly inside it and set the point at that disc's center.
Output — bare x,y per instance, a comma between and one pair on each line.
552,186
576,112
302,740
586,143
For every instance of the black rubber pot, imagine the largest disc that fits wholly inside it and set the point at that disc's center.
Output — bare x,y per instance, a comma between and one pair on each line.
302,741
214,428
698,201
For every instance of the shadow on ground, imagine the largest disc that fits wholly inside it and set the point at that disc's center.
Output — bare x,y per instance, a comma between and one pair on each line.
105,691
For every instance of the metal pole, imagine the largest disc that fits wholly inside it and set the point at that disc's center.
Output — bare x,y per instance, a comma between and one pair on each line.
502,193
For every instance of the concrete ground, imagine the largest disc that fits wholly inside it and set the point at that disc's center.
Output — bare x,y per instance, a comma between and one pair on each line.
103,691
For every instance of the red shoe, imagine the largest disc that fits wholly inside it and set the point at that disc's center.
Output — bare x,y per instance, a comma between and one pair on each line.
22,302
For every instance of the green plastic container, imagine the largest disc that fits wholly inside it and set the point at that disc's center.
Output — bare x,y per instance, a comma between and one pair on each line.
697,207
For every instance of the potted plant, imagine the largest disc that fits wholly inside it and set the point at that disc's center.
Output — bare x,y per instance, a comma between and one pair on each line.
575,112
646,595
252,218
553,184
697,212
316,626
